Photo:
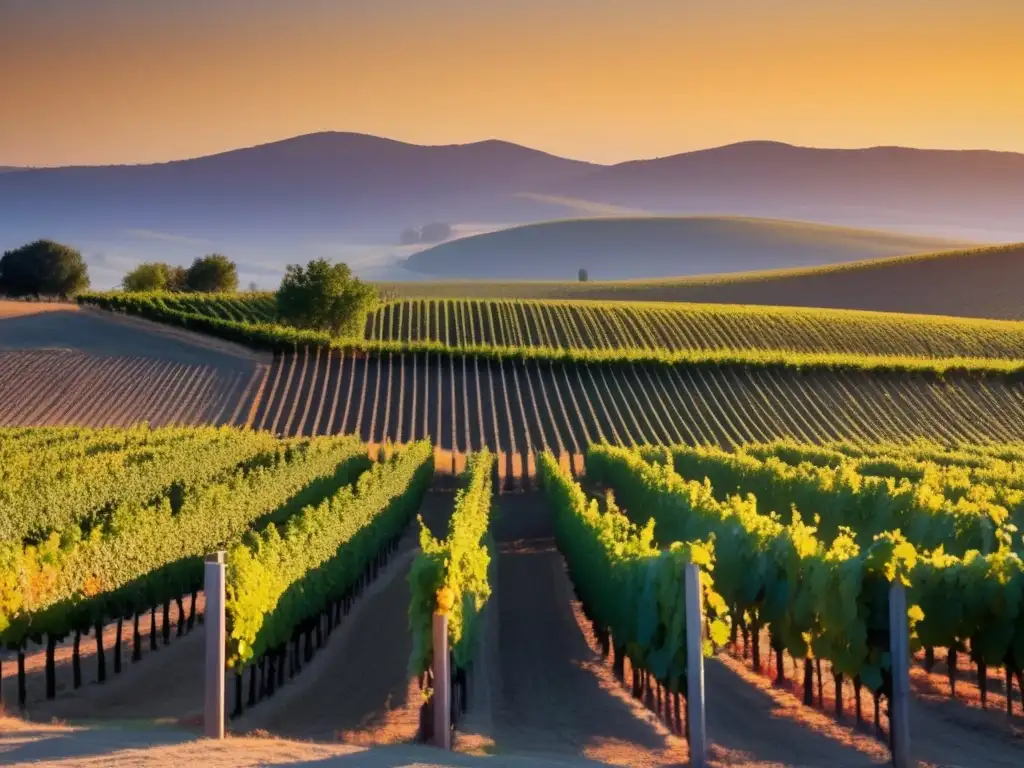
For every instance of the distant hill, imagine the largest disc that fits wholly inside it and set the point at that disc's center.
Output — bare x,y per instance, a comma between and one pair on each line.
350,196
338,182
929,190
981,282
655,247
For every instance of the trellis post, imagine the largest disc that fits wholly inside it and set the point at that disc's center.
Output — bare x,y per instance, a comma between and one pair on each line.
695,666
215,627
899,651
442,683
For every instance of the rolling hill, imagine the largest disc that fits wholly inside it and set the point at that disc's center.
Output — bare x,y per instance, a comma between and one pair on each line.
980,282
649,247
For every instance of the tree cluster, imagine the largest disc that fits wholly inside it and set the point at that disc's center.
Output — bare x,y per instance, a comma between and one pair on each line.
214,273
43,268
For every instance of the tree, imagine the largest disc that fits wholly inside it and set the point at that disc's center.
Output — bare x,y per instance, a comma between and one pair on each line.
214,273
326,297
176,278
436,232
149,276
583,275
43,268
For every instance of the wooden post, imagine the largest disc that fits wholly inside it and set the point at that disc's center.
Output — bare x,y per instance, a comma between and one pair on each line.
442,684
899,651
695,666
216,631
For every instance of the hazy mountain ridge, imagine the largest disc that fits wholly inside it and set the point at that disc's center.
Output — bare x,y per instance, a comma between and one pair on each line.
330,193
877,186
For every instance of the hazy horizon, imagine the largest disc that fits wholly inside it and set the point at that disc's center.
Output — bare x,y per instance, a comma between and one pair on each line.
126,82
483,140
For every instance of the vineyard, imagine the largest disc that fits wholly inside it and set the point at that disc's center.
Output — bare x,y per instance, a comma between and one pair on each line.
110,526
517,408
331,584
813,579
549,327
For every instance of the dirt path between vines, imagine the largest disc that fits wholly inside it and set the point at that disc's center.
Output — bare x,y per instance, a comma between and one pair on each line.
357,688
553,696
549,698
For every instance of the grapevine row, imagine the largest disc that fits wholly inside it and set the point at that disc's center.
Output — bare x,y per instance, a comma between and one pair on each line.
457,565
829,601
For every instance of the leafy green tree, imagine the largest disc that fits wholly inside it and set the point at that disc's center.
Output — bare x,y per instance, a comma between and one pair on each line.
325,296
149,276
215,273
43,268
583,275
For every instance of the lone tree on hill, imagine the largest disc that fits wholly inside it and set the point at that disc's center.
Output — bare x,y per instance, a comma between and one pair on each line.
325,297
215,273
43,268
583,275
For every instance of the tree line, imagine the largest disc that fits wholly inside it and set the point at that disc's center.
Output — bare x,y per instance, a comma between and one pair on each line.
321,296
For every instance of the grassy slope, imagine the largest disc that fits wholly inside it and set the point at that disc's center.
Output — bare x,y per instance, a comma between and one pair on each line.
980,282
658,246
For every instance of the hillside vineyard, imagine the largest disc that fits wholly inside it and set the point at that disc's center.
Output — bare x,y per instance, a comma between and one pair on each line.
465,403
605,325
625,325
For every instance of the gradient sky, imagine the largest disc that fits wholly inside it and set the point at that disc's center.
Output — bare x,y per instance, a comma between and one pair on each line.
121,81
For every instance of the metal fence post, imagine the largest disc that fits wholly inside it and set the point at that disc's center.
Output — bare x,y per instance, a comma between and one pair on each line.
695,666
215,627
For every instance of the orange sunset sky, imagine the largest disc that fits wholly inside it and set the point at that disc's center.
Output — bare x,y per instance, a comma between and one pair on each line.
118,81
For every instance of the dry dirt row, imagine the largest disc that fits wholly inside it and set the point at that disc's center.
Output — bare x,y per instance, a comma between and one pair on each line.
63,366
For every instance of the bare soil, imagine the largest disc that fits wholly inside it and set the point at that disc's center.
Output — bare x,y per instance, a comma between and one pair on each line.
944,731
35,660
